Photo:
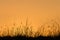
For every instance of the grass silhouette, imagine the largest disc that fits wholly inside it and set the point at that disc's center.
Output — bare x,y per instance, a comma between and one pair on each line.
49,29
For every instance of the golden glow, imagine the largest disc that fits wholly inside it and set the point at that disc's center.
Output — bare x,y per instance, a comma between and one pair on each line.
37,11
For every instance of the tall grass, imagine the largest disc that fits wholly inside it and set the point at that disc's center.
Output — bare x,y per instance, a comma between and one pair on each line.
51,28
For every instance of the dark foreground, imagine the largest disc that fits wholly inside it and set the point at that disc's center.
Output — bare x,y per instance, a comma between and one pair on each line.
29,38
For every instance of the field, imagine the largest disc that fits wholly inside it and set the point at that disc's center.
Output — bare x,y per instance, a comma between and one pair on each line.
50,30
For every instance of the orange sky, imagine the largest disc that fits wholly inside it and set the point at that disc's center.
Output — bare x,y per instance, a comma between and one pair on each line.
37,11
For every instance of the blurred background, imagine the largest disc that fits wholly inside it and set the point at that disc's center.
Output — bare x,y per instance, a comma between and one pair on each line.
37,11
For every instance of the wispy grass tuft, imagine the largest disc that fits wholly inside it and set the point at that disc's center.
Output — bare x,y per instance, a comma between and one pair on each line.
51,28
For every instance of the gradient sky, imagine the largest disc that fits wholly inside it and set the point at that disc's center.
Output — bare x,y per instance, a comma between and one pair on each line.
37,11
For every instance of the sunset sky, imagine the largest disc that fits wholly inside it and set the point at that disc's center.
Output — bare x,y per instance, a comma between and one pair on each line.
37,11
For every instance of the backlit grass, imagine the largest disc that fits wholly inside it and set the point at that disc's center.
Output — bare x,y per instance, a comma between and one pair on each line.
51,28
